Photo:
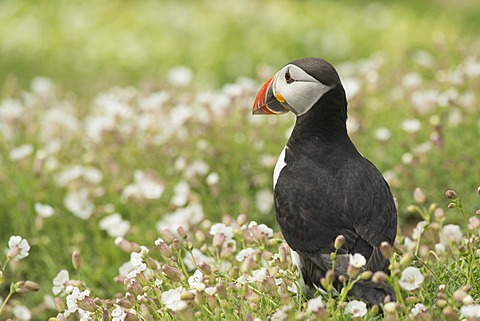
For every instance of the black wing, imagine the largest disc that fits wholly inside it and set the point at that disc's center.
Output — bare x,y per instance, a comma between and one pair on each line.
315,204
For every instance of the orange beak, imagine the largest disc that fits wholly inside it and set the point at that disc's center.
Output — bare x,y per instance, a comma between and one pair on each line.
266,103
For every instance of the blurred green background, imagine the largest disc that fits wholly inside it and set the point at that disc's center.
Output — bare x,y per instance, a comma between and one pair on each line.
88,47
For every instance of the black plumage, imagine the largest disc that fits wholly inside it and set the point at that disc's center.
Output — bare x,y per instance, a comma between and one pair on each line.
327,188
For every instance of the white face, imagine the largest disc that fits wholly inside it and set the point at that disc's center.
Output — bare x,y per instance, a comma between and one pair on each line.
299,90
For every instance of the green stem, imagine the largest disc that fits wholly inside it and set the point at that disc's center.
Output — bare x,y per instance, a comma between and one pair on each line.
6,300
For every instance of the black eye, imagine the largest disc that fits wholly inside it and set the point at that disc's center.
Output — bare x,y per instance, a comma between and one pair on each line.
288,78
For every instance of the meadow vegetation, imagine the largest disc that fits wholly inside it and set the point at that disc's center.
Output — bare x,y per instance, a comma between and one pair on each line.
136,185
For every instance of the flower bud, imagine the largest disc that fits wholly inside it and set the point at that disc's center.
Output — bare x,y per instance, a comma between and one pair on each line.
450,313
419,196
233,272
352,271
176,244
459,295
187,296
200,236
252,296
365,275
59,305
172,273
406,259
181,231
222,291
330,276
165,250
218,240
246,265
32,286
379,277
87,304
451,194
76,260
339,241
134,287
386,249
282,252
452,205
241,219
441,303
205,268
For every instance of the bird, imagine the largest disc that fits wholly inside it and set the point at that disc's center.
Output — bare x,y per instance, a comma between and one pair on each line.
323,186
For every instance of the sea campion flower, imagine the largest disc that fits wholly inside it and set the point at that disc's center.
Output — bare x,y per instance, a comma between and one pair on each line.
171,298
471,312
220,228
417,310
315,304
411,278
21,313
17,248
73,298
118,314
356,308
60,282
43,210
114,225
195,279
450,233
244,253
357,260
79,204
21,152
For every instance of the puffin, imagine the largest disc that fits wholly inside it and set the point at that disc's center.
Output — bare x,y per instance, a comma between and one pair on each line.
323,186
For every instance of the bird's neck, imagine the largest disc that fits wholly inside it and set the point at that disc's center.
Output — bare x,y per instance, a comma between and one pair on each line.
325,122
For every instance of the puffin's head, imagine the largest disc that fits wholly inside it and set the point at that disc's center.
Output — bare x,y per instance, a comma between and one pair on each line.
296,87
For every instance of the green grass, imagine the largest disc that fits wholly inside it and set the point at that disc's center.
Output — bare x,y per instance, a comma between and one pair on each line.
86,49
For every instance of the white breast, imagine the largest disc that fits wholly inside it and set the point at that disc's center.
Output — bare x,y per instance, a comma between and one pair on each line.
279,166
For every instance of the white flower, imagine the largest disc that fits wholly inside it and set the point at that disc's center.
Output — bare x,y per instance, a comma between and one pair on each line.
450,234
21,313
43,210
183,216
195,279
118,314
79,204
244,253
383,134
315,304
114,225
145,186
220,228
17,248
281,314
72,299
411,278
419,229
471,312
412,79
21,152
180,76
264,200
198,256
181,192
260,274
356,308
171,298
211,290
262,228
411,125
213,179
42,86
60,282
357,260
